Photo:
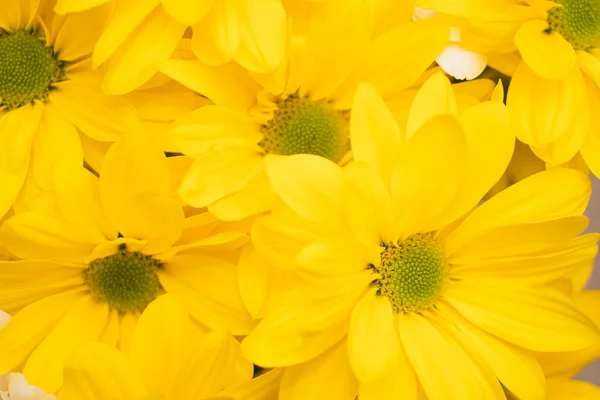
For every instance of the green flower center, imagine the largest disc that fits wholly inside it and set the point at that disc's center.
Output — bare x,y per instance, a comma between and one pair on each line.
412,273
28,68
578,21
127,281
304,126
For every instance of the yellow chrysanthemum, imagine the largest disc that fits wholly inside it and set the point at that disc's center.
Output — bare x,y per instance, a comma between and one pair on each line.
300,108
113,245
141,34
401,280
554,95
169,359
48,92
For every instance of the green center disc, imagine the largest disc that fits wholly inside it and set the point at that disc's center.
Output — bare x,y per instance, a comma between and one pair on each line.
578,21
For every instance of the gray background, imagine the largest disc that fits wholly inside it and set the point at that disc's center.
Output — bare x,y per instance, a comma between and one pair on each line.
592,373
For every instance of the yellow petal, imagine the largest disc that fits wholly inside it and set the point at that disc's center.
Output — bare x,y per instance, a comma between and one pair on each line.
78,198
488,155
211,290
516,240
263,35
195,131
263,387
215,83
293,180
373,341
56,146
424,342
590,66
367,205
83,323
536,319
17,130
570,389
253,273
135,191
590,148
30,326
188,13
80,31
338,256
546,110
18,14
220,172
208,369
25,282
518,371
434,98
128,323
374,134
96,371
546,52
145,50
35,234
544,196
392,74
161,343
126,16
427,176
326,377
99,116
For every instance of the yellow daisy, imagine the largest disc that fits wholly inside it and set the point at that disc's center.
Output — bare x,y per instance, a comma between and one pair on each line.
403,283
48,92
140,35
168,360
300,108
559,42
92,261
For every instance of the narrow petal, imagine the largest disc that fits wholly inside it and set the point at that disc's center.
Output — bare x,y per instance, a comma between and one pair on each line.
465,379
186,12
263,35
516,240
214,83
25,282
516,369
125,17
150,45
316,200
326,377
253,275
548,195
18,14
17,130
374,134
546,52
96,114
30,326
96,371
83,323
590,66
373,342
590,148
161,343
338,256
210,286
427,176
218,173
135,190
34,234
539,320
208,369
80,31
195,131
434,98
216,39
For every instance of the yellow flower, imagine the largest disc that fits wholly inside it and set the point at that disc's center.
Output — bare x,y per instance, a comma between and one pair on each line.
48,92
300,108
113,245
554,94
401,280
141,34
169,359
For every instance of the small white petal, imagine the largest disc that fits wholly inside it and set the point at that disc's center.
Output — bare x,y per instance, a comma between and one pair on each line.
461,63
4,318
